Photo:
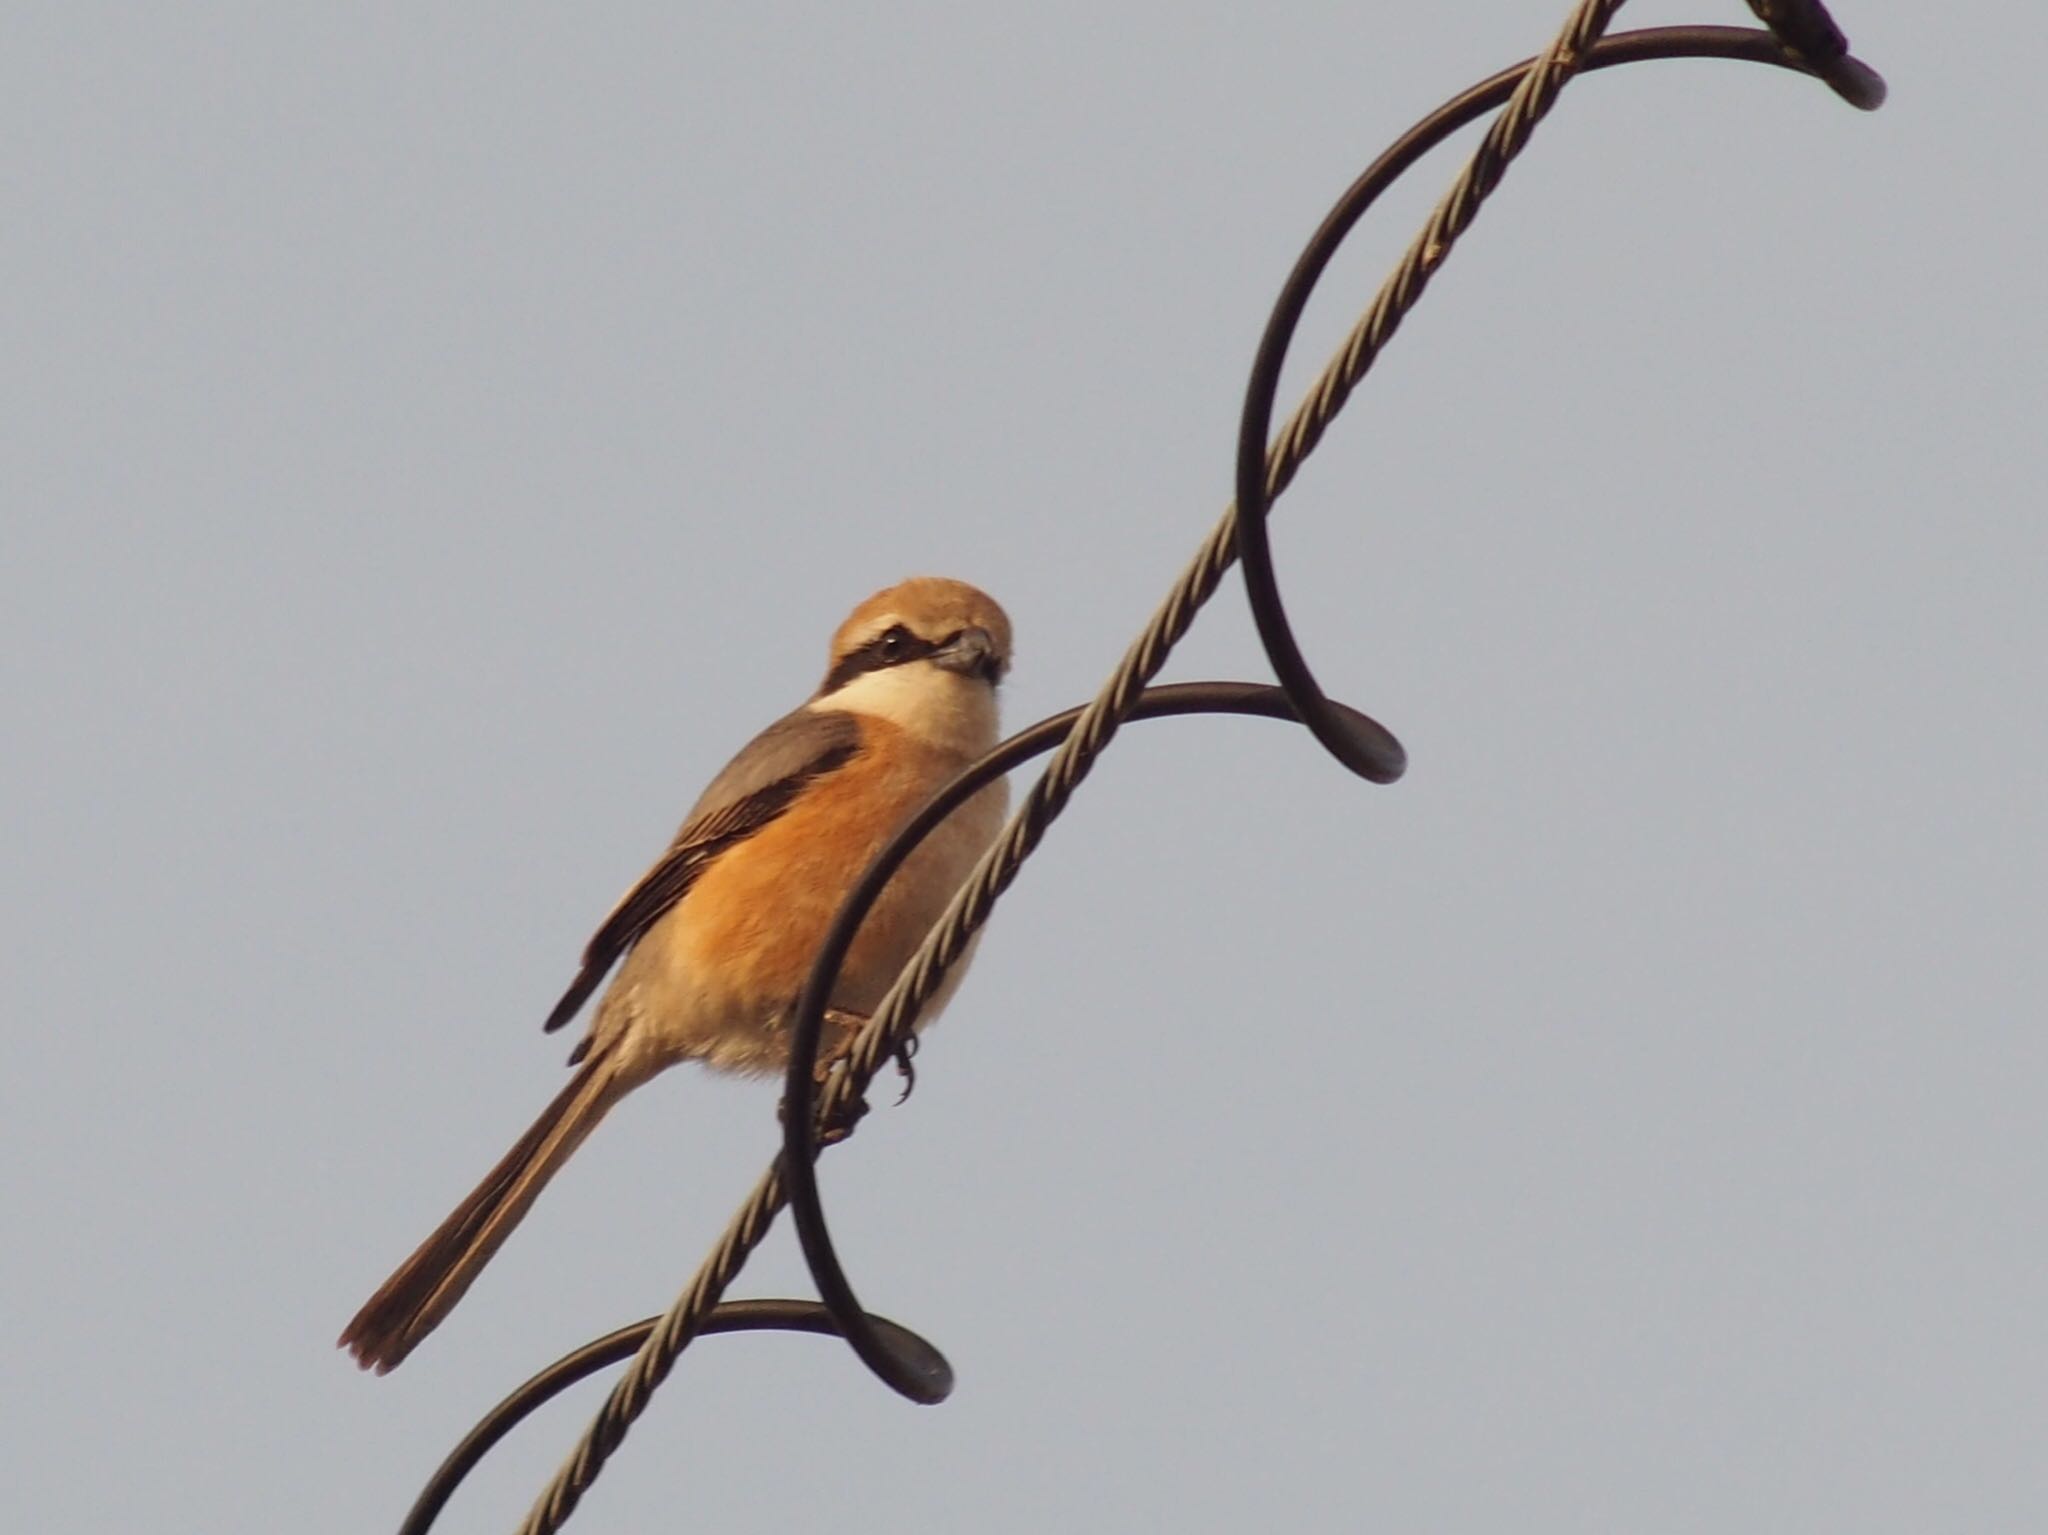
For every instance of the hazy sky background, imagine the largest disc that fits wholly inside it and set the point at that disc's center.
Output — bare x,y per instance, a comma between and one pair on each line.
434,438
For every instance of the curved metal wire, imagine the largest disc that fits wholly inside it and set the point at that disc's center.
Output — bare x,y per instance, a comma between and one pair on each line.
1261,477
535,1393
1802,36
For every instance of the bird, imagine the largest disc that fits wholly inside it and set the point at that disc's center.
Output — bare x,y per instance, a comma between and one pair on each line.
713,943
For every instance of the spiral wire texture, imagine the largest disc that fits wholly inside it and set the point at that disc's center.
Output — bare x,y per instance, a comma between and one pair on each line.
1802,36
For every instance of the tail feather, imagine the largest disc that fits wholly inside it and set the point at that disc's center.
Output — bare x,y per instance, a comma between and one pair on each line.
425,1288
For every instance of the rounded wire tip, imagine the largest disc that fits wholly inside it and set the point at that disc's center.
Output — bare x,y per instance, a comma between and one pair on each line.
1363,744
920,1361
1855,82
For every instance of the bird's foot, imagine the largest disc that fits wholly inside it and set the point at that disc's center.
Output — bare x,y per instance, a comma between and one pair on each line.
845,1028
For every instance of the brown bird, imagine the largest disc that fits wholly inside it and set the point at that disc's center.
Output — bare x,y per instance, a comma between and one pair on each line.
718,936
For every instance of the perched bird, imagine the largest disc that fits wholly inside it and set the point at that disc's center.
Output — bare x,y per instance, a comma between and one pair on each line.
719,935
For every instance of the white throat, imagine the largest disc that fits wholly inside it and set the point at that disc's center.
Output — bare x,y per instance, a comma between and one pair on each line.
944,709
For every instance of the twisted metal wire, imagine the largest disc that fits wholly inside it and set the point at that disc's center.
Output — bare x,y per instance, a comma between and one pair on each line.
893,1020
1263,474
1806,33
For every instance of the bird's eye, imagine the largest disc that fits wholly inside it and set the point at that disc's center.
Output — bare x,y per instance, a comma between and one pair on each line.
894,642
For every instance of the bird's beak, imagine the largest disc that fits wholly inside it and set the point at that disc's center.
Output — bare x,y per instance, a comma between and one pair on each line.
971,652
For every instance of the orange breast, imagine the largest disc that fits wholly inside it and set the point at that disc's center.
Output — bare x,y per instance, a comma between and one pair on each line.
757,916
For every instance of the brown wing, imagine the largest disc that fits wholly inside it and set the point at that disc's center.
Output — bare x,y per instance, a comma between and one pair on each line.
755,788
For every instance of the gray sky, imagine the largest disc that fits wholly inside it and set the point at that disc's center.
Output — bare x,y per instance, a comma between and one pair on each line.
431,443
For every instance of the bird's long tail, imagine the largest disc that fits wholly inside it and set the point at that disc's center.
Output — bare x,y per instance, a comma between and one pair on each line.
425,1288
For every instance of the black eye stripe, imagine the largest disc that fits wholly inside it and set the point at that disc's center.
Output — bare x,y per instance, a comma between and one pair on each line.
894,646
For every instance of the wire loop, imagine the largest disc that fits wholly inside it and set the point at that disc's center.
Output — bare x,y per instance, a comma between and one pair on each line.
1263,473
536,1392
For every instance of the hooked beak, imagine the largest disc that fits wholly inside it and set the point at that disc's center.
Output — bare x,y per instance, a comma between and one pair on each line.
972,653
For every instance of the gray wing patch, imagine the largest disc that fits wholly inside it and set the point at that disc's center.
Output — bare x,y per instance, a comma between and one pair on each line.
786,749
752,790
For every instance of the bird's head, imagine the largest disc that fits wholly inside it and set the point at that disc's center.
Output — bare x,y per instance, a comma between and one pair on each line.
925,654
